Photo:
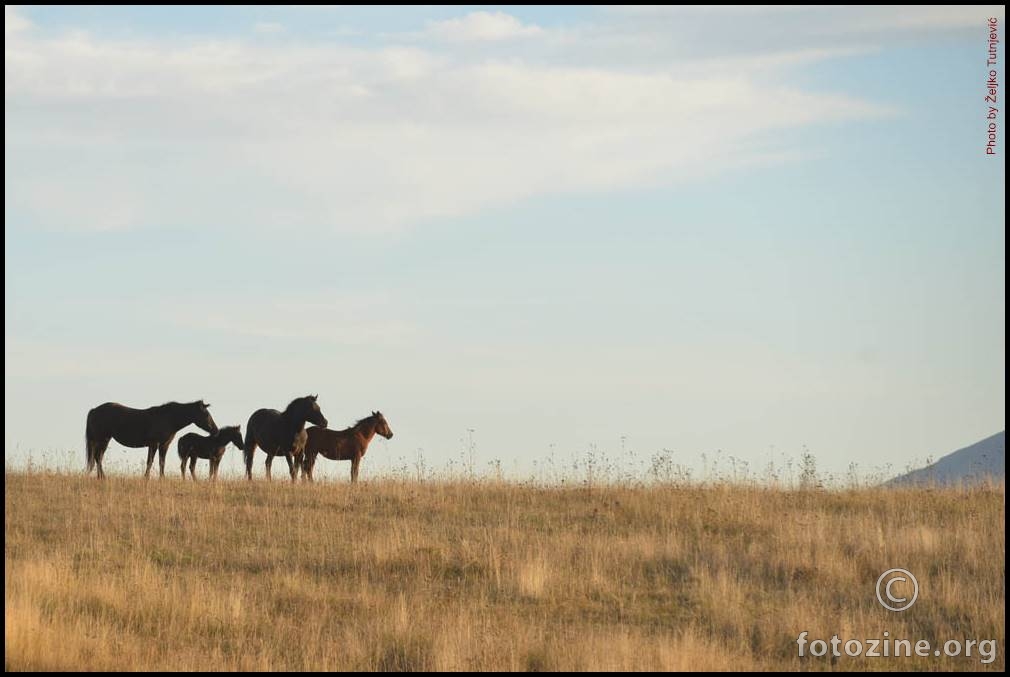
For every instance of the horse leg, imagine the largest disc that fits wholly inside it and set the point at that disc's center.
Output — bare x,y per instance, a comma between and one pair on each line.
214,463
355,464
162,453
270,460
292,468
192,468
150,459
100,447
184,459
308,461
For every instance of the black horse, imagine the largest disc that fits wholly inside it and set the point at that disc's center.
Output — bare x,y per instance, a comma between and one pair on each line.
193,446
281,433
153,428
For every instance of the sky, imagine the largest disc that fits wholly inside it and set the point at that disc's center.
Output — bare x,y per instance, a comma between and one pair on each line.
527,235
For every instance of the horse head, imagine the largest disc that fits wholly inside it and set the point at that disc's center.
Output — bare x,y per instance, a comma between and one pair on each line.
381,426
233,434
307,409
202,417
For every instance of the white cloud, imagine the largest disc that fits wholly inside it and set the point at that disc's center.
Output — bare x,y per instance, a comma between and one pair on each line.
13,21
104,133
478,26
842,18
268,27
363,319
925,17
636,34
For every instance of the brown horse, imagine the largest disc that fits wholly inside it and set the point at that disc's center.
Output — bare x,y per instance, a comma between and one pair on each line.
153,428
281,433
343,445
193,446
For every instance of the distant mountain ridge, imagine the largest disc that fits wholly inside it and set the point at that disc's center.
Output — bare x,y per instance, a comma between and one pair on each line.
983,460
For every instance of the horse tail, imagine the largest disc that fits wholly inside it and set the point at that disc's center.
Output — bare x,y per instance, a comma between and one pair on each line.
248,443
89,458
89,448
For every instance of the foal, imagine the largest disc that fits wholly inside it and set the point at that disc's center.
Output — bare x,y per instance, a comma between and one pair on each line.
343,445
193,446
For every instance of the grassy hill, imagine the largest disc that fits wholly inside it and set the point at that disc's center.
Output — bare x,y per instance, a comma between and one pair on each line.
128,574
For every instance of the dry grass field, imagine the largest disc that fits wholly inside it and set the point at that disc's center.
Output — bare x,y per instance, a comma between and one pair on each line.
128,574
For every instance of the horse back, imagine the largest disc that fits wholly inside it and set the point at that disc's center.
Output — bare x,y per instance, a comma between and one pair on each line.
262,428
188,443
110,411
128,425
336,445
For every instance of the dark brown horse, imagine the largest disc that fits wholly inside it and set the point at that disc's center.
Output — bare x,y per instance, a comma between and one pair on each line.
343,445
193,446
153,428
281,433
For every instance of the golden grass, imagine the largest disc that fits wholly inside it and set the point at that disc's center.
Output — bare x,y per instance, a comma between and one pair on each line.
128,574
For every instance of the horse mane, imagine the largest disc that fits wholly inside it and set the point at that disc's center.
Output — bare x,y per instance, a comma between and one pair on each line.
362,420
366,419
356,424
178,404
297,403
227,431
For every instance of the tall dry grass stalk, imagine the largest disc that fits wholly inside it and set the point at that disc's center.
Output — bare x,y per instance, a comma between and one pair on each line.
128,574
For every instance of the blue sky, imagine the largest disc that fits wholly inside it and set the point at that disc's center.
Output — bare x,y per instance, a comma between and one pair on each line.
554,227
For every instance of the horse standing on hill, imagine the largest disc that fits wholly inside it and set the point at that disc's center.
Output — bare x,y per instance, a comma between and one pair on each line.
193,446
343,445
281,433
153,428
